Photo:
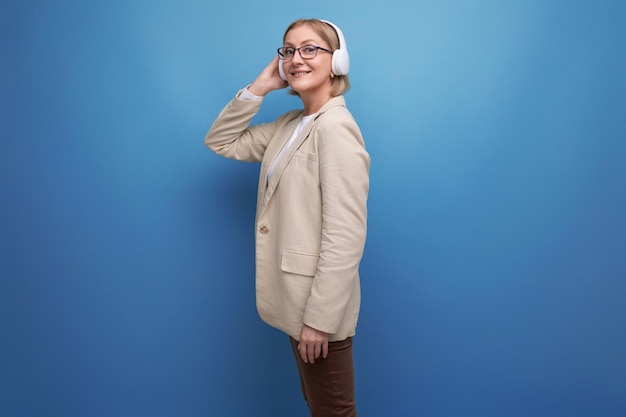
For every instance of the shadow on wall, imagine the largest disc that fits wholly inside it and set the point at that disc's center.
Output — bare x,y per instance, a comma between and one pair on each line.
257,359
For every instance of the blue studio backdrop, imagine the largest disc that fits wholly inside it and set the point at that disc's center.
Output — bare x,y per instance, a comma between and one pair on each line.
494,272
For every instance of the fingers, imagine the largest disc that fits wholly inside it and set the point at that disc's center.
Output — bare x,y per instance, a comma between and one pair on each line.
302,348
268,80
272,68
313,344
311,351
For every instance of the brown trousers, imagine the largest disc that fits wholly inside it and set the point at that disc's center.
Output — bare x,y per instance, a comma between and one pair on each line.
328,384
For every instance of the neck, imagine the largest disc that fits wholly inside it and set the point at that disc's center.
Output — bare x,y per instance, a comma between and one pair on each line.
313,103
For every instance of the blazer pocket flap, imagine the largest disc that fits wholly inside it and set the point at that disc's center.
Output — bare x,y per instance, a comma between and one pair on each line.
303,154
299,263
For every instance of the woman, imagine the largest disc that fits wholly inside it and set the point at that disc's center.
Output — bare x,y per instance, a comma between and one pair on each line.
311,208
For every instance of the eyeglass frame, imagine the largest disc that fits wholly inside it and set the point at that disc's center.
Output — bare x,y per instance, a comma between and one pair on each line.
284,58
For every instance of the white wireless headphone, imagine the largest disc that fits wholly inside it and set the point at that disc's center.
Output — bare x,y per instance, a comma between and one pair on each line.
340,63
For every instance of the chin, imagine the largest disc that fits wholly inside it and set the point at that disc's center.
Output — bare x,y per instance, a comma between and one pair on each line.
297,88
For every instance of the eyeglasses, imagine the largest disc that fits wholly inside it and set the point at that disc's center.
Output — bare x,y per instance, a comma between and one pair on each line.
287,53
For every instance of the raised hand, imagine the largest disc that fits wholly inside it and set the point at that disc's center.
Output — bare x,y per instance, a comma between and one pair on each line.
268,80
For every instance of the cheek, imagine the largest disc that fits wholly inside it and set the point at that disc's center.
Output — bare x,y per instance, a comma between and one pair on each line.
327,64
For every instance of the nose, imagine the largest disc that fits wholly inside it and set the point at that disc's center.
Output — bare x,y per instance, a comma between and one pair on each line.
297,56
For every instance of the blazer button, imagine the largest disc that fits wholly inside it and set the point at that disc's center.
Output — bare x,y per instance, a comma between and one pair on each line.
264,229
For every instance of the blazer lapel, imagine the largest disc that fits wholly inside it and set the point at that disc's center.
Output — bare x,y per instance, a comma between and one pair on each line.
271,153
282,163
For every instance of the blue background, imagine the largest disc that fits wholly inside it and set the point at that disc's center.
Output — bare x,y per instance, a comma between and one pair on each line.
494,273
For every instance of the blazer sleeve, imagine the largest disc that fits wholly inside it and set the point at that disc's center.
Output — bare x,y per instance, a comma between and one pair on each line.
344,179
232,136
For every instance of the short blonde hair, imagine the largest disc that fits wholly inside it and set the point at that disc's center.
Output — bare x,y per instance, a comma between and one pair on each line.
339,83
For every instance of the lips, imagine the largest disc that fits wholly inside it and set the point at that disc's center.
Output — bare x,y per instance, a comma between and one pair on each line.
299,73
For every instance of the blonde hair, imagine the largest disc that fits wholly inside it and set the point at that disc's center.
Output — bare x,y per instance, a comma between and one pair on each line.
339,83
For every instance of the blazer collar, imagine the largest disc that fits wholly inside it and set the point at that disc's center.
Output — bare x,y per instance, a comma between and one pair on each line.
333,102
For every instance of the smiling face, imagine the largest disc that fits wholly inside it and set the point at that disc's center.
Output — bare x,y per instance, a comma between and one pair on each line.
308,77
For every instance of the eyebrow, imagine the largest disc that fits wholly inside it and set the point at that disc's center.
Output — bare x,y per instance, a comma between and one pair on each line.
306,42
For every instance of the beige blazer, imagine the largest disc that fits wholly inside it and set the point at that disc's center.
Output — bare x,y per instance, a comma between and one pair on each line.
311,214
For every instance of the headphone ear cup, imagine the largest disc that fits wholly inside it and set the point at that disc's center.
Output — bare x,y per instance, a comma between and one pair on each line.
281,71
341,62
